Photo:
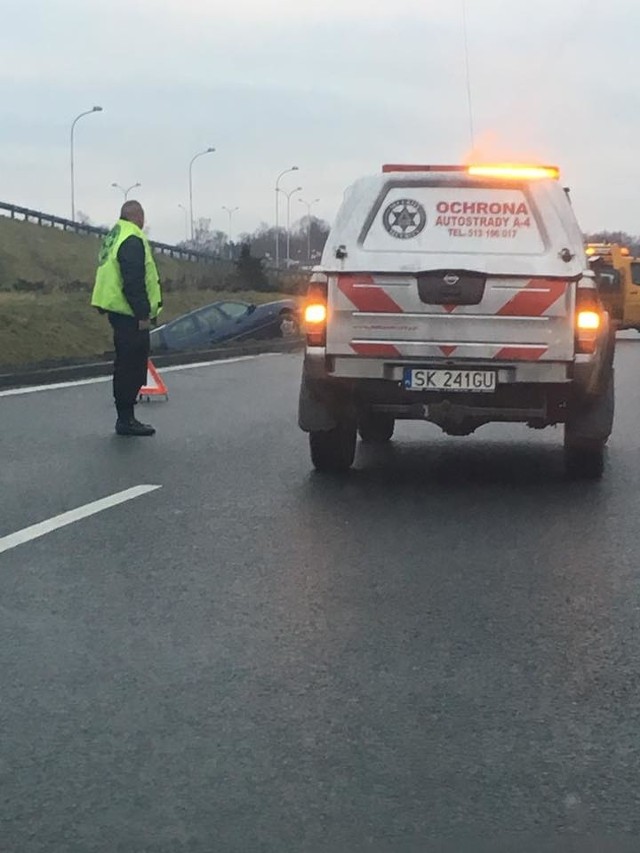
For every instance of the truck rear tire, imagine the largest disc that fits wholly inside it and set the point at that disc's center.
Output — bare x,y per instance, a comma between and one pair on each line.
333,450
586,433
584,460
376,427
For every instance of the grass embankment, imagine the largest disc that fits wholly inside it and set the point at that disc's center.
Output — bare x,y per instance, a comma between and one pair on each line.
46,277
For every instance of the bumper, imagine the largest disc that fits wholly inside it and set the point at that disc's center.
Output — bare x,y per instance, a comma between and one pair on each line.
536,393
320,366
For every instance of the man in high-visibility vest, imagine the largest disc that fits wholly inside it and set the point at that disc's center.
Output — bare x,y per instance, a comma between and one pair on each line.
128,290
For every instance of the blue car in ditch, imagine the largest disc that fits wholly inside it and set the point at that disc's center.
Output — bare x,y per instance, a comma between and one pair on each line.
227,322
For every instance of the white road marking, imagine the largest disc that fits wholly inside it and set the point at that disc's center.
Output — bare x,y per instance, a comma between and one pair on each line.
34,389
214,363
73,515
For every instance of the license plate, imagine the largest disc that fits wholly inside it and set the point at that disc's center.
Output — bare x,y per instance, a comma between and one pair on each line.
423,379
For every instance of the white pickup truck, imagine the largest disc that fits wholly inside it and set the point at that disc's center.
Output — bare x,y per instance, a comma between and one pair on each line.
458,295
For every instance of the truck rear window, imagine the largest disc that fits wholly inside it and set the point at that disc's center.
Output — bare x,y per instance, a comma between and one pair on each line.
454,219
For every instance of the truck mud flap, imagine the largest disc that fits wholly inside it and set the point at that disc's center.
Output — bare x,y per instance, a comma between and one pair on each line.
592,420
314,413
324,404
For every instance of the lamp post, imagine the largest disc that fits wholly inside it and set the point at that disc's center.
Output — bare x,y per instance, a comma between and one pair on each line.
186,221
125,191
308,205
281,175
230,211
288,195
73,187
193,160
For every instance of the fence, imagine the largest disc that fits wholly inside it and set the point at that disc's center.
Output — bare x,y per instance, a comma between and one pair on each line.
46,219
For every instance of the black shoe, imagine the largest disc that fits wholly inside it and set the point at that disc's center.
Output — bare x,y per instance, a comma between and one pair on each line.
130,426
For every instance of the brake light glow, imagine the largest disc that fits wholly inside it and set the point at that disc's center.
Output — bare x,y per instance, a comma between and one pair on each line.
514,172
589,321
315,313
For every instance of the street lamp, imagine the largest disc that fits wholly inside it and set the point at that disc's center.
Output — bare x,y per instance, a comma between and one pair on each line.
193,160
73,188
281,175
308,205
230,211
186,221
288,195
126,191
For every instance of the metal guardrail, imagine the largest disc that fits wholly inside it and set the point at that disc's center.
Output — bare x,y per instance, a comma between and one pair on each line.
37,216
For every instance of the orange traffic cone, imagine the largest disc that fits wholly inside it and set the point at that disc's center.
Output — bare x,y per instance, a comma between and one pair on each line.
154,386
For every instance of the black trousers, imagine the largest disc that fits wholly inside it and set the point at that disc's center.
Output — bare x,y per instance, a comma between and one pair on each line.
130,366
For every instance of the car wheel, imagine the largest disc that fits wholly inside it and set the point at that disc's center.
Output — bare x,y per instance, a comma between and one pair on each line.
333,450
289,327
376,427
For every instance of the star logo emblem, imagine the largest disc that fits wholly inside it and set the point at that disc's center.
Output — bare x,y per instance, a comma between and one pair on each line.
404,219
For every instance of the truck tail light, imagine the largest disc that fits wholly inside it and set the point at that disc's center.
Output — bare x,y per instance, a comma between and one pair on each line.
589,321
315,311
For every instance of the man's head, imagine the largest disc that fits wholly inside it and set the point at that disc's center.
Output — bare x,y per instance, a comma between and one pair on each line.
133,211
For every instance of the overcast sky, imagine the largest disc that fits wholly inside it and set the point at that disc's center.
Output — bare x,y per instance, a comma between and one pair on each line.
336,87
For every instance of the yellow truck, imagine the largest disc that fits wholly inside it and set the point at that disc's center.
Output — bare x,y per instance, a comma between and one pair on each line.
618,280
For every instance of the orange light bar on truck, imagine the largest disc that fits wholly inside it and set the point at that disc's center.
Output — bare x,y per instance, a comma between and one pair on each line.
605,250
419,167
514,172
508,171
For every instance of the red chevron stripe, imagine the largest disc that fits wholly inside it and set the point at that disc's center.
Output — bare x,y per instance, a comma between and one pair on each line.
362,291
535,298
381,350
521,353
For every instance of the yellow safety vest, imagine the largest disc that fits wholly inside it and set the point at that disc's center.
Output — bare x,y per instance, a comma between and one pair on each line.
108,292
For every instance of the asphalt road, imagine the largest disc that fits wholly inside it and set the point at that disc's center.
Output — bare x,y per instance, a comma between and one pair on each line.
440,651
